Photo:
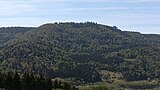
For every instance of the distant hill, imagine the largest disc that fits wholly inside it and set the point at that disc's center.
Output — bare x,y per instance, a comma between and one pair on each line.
81,50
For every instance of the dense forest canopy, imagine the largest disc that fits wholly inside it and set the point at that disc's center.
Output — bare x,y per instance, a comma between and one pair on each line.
9,33
80,51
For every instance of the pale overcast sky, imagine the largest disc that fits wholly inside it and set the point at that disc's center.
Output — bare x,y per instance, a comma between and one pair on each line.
133,15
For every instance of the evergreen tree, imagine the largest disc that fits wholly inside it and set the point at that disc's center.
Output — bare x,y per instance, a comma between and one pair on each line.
17,82
49,84
2,79
32,82
9,82
55,86
42,83
67,86
26,82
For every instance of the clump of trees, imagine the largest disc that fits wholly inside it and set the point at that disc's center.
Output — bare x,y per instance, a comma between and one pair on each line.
15,81
28,81
57,84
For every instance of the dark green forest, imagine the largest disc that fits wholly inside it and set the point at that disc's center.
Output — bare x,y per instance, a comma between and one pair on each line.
15,81
9,33
80,51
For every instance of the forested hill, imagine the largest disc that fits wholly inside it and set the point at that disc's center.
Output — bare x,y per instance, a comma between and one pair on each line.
9,33
82,50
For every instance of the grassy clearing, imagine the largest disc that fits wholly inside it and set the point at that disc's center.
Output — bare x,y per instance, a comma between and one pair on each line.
121,85
100,86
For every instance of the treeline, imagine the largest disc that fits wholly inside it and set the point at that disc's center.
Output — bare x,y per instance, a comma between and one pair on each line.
15,81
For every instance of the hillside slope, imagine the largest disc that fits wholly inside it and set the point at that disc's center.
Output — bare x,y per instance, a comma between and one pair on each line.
9,33
81,50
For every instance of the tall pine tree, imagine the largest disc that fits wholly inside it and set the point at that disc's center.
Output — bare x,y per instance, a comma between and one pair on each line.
16,82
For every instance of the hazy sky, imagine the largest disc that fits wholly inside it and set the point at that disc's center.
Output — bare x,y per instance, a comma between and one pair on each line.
133,15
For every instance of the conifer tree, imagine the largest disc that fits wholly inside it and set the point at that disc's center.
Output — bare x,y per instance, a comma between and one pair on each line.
2,79
9,82
17,82
49,84
55,86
